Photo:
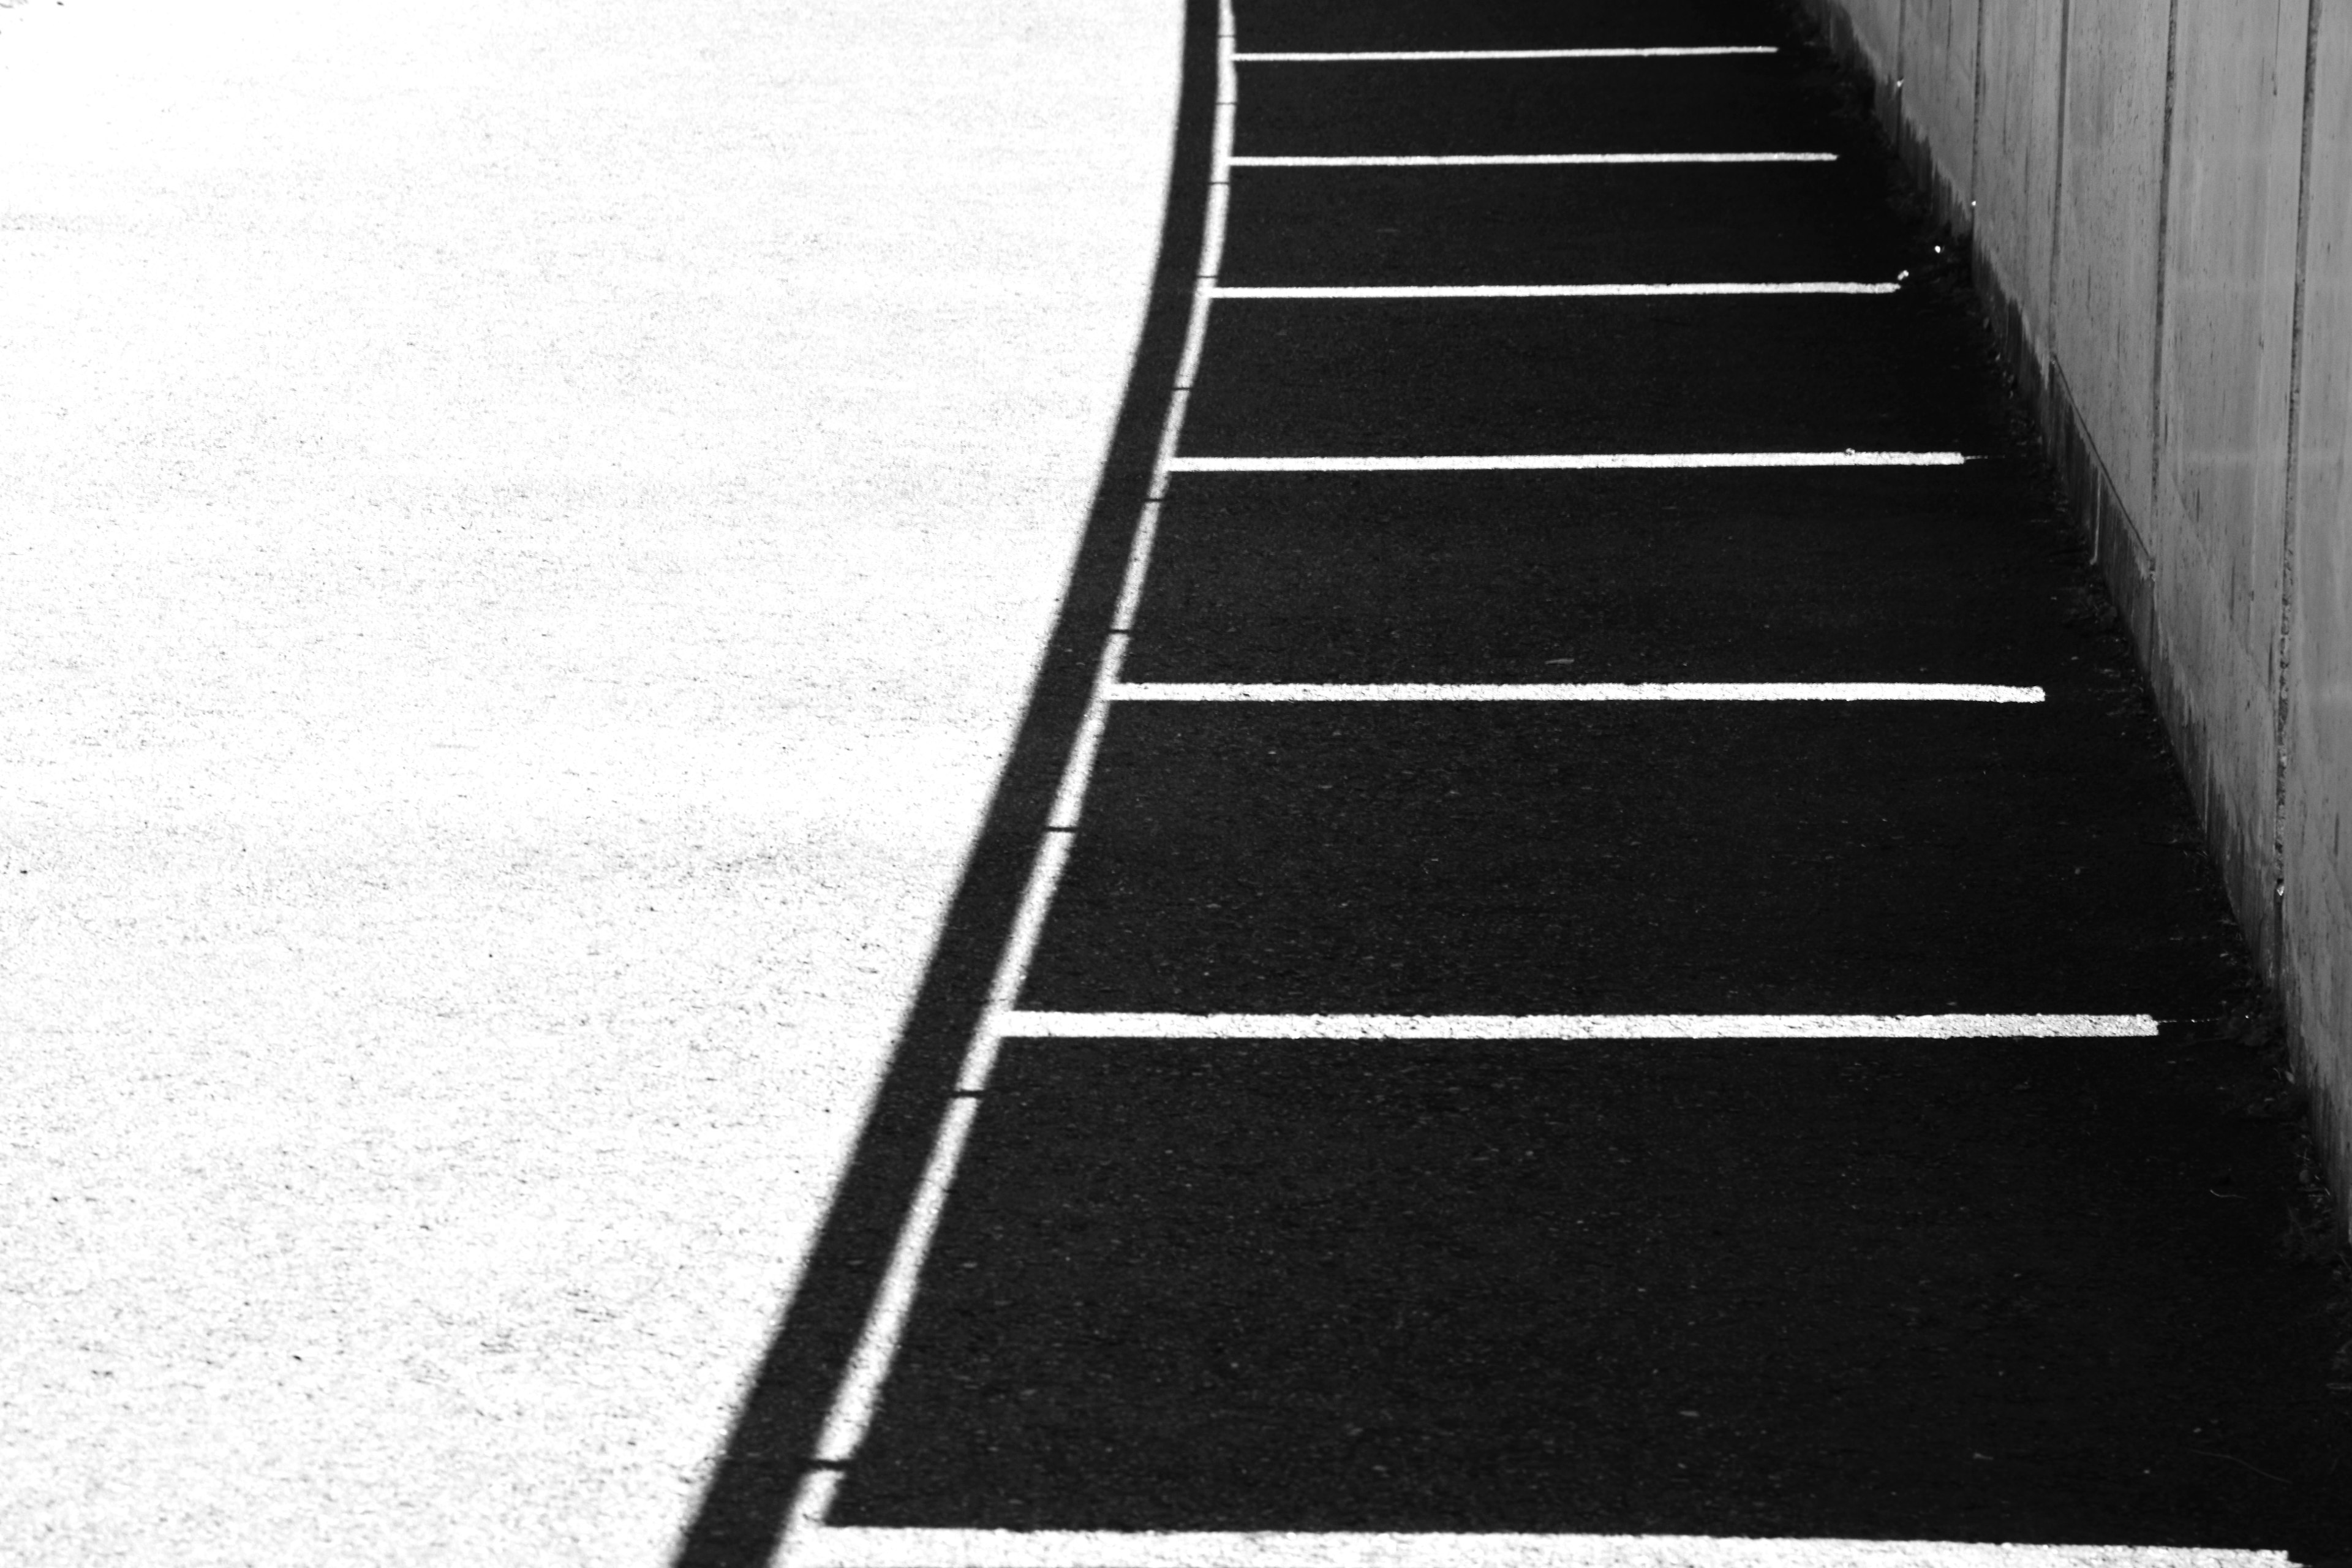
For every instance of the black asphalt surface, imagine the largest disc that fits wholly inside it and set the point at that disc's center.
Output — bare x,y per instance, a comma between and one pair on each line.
1716,1288
2040,1291
1688,576
1720,374
1707,103
1662,223
1622,857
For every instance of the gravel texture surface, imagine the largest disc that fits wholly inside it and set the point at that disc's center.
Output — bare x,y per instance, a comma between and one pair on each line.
526,532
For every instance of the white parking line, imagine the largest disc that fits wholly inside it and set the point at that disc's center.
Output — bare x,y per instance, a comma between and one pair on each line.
1333,57
1472,160
1582,692
870,1548
1543,290
1080,766
1575,1025
1475,464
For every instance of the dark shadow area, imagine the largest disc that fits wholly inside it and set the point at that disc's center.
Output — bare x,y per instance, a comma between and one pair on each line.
740,1517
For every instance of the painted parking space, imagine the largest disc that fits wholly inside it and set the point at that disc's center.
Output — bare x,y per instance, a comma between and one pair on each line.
1658,575
1309,24
1506,108
1392,378
1643,858
1669,224
1726,1288
1621,856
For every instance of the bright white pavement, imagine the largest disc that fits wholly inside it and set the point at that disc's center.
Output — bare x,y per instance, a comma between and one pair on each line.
524,530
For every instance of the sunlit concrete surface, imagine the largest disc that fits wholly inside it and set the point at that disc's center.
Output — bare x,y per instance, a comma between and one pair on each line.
525,530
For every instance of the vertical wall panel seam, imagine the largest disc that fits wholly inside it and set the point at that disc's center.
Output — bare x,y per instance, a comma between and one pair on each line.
1975,115
1902,39
2163,264
2282,694
2058,178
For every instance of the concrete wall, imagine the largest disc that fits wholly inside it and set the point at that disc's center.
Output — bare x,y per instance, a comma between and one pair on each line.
1878,29
2224,348
2315,967
1939,73
2015,143
2159,197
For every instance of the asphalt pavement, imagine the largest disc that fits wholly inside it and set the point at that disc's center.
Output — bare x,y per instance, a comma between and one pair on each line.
1594,952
